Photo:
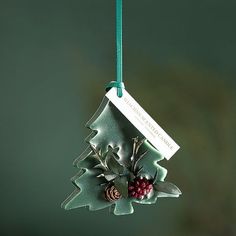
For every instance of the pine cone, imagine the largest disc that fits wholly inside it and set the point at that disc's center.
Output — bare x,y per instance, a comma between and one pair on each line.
112,194
140,188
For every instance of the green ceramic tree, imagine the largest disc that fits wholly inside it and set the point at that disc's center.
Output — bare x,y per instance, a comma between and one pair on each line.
118,167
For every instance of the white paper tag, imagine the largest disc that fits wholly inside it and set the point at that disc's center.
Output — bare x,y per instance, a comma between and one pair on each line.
144,123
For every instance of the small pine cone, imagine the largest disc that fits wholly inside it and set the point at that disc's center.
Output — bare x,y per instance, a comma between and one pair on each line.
112,194
140,188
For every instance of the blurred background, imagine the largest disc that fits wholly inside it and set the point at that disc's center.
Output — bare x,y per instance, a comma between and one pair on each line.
179,63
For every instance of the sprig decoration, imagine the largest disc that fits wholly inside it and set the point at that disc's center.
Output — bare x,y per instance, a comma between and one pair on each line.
108,181
114,172
136,157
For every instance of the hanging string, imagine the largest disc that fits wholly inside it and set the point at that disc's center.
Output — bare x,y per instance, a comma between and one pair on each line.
119,57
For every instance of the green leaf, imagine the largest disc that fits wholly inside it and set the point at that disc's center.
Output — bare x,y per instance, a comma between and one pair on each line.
161,194
100,166
113,165
121,184
167,189
109,175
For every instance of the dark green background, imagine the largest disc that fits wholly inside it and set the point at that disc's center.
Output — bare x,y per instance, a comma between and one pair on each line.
179,63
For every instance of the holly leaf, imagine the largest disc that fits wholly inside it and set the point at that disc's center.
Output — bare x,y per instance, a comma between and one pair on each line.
166,189
100,166
113,165
121,184
109,175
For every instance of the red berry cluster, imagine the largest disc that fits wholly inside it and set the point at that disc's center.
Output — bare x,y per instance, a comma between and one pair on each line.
140,187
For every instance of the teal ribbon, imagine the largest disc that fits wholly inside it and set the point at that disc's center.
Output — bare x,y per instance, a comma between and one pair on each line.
119,60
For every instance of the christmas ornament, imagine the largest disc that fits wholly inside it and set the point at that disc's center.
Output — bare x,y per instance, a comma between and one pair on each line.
120,165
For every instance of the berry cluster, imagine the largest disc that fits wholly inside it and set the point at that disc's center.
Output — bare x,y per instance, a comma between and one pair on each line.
140,187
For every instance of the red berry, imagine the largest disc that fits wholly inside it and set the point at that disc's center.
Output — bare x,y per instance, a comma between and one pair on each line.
143,185
150,187
131,188
140,187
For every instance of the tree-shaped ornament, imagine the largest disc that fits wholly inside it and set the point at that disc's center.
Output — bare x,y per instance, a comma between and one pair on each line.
120,165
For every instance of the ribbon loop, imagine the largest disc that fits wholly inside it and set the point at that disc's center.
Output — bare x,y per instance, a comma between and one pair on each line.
119,58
